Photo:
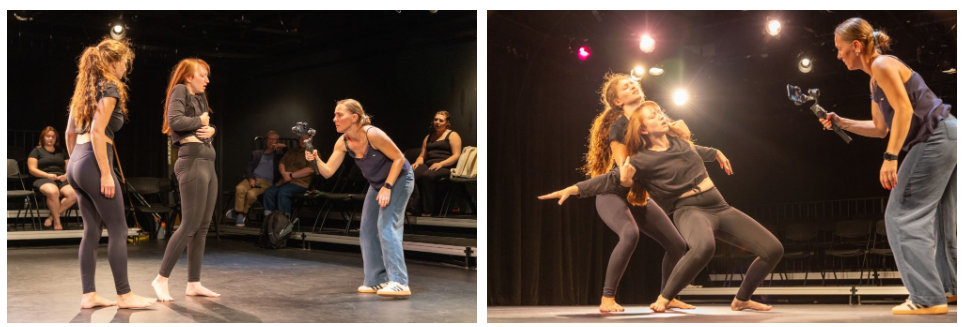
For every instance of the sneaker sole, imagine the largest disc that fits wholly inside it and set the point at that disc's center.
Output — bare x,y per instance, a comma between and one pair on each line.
924,311
394,294
952,299
367,291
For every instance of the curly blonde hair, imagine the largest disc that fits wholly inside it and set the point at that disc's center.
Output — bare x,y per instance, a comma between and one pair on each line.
93,73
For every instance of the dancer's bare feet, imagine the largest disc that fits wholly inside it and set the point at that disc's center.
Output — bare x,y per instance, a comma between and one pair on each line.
49,220
160,285
660,305
131,301
608,305
753,305
57,225
675,303
92,300
195,289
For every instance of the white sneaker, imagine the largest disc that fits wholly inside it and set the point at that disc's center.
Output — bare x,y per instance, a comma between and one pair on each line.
371,289
910,308
394,289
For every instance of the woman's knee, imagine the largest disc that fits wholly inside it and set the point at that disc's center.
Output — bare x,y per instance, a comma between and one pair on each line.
629,234
704,249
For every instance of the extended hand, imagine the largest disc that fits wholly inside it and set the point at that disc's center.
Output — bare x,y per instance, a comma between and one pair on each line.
724,162
562,194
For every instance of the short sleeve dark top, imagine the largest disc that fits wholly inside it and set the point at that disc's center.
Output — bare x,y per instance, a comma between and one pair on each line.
51,163
107,89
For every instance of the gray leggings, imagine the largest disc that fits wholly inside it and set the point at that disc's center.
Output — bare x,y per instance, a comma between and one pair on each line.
84,176
628,222
195,170
705,217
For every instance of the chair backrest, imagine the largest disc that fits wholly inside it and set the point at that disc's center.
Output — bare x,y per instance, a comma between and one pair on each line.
17,153
13,170
412,154
881,227
853,228
802,232
144,185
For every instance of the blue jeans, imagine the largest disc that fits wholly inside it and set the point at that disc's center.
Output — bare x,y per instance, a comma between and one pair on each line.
381,234
280,197
921,217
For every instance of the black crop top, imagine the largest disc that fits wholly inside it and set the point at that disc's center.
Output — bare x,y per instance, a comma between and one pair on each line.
107,89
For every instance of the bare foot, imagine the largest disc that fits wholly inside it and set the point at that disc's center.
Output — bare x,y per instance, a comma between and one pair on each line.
195,289
131,301
92,300
57,225
48,221
660,305
608,305
675,303
753,305
160,285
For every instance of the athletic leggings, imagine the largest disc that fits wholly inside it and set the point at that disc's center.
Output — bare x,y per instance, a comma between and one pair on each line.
85,177
627,221
705,217
195,170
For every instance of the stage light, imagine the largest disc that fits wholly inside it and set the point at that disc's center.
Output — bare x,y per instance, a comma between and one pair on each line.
681,97
656,71
805,65
647,44
638,73
117,32
584,52
774,27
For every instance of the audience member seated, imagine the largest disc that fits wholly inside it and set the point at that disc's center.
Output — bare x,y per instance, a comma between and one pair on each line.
441,150
48,163
259,176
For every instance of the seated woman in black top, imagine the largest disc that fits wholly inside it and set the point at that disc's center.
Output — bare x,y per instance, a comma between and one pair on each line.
441,150
48,163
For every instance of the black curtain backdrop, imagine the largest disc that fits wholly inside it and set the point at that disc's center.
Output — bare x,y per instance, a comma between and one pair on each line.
542,101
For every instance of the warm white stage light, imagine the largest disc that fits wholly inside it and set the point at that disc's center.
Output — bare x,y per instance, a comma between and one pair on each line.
774,27
681,97
647,44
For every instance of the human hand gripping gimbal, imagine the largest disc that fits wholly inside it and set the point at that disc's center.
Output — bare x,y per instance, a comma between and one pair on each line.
796,95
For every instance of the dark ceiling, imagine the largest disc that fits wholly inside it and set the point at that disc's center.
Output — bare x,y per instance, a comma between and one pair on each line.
239,34
727,46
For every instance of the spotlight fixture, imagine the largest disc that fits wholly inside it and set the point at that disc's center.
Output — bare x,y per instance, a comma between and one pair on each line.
647,44
656,71
774,27
584,52
681,97
638,73
118,31
806,65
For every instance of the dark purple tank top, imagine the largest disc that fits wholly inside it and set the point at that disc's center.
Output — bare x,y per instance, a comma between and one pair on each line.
928,109
375,165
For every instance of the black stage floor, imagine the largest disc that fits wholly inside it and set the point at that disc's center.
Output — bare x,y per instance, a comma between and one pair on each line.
714,313
257,285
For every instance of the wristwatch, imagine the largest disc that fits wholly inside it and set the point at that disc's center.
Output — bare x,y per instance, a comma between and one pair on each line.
890,156
388,186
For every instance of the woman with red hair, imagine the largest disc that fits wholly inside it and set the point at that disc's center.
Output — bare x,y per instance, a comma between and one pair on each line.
186,121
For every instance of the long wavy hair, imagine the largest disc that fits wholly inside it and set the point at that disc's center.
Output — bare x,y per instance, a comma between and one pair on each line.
637,143
184,68
599,157
94,71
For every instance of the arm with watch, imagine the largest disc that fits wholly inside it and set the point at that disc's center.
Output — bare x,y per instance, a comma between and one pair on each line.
878,128
382,143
